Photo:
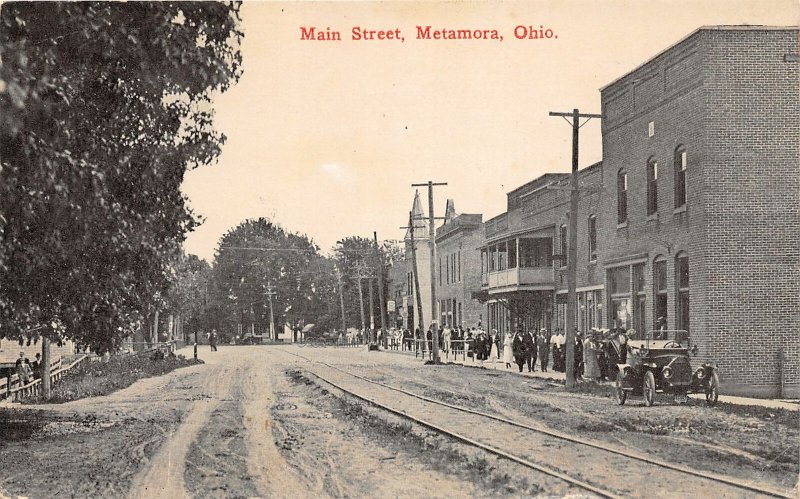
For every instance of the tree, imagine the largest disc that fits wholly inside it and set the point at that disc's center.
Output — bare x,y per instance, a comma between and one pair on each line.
358,260
257,255
187,294
103,108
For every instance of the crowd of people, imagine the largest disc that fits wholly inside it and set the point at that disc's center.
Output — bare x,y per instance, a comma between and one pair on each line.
596,353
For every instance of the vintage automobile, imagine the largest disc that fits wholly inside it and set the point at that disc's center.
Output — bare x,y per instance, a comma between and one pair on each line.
659,362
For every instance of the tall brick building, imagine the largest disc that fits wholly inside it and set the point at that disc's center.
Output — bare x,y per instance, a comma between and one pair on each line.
701,220
458,258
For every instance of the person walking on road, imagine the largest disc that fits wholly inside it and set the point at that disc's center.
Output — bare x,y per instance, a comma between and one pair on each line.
508,352
212,340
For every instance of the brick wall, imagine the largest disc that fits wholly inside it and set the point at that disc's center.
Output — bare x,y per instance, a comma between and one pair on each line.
589,272
466,238
753,204
727,96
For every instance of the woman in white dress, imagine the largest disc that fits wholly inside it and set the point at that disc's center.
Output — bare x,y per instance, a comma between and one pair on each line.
508,352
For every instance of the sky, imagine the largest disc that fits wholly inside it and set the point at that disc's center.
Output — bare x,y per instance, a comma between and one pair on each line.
325,138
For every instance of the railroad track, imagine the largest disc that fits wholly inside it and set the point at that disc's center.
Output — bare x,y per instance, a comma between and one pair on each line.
713,477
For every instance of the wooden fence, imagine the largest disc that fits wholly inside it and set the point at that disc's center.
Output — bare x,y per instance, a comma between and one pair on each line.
10,386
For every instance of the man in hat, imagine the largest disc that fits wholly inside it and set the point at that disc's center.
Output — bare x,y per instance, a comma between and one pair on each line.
543,349
530,350
518,348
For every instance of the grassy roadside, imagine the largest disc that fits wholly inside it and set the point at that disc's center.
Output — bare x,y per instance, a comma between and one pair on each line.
96,378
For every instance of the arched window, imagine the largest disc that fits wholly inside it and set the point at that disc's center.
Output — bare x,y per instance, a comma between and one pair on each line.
680,176
652,187
592,238
622,196
682,289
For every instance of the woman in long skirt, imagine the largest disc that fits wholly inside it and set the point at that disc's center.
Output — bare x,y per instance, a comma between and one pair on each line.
508,352
492,346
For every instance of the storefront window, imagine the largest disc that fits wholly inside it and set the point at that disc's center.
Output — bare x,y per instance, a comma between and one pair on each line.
641,298
621,308
660,300
682,282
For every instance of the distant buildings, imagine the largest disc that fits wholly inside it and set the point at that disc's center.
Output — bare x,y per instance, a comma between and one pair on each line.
408,308
693,215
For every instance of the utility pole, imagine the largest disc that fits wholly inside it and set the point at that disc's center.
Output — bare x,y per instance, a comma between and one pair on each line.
572,246
361,302
270,294
371,313
380,283
420,320
432,247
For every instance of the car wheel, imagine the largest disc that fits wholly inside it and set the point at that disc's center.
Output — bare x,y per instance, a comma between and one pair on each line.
712,390
649,389
620,395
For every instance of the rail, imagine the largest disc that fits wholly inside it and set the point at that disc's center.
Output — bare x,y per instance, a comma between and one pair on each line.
760,488
494,450
456,348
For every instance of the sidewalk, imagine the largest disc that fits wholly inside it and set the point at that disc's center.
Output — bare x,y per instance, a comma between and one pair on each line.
497,364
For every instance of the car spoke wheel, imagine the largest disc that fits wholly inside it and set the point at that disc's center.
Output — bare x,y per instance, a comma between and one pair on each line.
620,395
712,390
649,389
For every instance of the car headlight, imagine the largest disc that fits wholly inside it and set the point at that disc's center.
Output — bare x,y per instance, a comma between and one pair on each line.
666,372
700,373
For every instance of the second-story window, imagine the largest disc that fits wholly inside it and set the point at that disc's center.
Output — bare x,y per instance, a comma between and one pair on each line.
564,248
622,196
592,238
680,176
652,187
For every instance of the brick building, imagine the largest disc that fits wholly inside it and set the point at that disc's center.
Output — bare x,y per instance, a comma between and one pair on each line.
458,264
693,214
701,216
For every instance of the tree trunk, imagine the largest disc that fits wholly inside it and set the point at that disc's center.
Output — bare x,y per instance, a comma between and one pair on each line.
361,301
371,314
44,368
155,329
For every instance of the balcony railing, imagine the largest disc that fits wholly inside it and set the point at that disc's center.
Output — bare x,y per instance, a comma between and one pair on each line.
526,276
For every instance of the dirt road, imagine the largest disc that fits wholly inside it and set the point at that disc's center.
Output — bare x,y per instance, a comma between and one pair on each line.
249,423
236,426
